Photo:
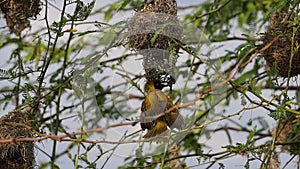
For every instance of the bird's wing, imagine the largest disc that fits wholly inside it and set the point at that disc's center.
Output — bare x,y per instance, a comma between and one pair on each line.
158,101
154,104
174,118
145,123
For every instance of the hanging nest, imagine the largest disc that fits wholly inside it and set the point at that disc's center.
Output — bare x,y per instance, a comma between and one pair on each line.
17,13
289,128
282,42
155,25
156,33
154,30
16,154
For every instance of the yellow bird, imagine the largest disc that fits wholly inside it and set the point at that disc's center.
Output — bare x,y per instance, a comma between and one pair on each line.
154,116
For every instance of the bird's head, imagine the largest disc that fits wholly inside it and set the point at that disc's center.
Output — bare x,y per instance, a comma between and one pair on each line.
152,85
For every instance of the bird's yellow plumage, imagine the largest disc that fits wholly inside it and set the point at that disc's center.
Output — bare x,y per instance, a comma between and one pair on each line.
154,117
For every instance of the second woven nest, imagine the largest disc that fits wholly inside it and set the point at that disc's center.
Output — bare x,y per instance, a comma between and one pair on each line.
289,134
18,12
16,155
282,54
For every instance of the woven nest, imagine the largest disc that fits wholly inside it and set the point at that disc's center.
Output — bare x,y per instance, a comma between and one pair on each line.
17,13
289,133
156,33
155,27
281,37
16,154
154,30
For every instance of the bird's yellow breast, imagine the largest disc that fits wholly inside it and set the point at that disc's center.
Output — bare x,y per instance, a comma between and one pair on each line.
154,116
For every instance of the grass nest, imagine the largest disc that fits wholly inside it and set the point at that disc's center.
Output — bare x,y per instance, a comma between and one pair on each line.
16,154
17,13
282,55
289,134
156,33
155,25
154,30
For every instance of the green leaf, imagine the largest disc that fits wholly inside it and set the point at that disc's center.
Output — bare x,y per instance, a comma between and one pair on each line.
123,5
243,78
108,36
83,11
243,100
37,53
109,13
84,136
251,135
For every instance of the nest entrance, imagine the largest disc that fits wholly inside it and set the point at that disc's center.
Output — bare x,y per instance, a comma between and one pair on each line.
283,53
159,66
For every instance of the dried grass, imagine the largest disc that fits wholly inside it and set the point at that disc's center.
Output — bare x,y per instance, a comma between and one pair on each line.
156,33
16,154
17,13
283,54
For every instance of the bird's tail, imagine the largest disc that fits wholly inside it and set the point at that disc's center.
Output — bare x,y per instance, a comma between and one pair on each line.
159,128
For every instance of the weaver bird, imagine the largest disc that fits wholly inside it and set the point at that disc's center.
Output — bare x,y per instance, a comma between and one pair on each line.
154,116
